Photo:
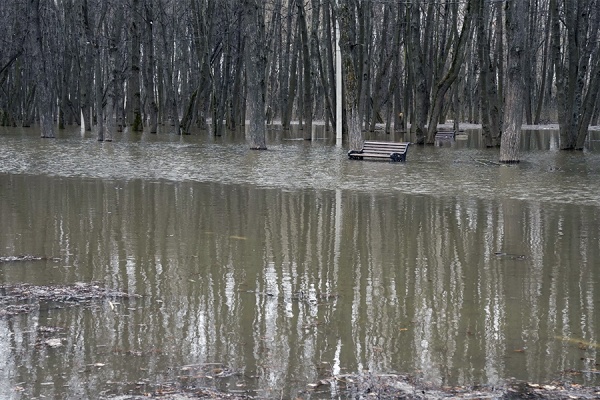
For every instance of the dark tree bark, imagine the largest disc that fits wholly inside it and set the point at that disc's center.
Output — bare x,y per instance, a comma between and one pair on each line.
516,20
416,56
307,101
351,60
134,92
255,72
149,75
488,91
46,95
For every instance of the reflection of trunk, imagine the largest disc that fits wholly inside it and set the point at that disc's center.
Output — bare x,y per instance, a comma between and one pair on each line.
255,73
516,17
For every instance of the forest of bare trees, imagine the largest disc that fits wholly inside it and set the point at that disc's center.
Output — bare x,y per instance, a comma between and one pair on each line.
185,64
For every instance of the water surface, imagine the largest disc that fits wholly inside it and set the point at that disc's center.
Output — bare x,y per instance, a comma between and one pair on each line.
295,264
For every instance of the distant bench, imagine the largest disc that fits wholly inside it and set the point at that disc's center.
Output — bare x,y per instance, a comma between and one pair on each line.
445,135
394,151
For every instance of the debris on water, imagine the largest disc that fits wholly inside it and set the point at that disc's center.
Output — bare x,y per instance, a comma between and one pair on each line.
16,309
26,257
79,293
510,256
397,386
53,343
580,343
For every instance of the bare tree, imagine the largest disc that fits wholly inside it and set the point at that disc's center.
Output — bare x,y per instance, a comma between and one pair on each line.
254,25
44,14
133,86
444,84
516,29
351,60
575,40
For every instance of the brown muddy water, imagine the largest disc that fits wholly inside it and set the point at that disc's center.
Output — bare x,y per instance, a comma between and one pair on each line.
262,272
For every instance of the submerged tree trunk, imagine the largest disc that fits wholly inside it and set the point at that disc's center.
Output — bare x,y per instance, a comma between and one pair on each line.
488,92
152,108
255,72
350,60
416,59
306,73
134,108
45,95
516,19
571,57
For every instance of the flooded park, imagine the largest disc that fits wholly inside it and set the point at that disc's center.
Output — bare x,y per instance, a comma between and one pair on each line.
276,274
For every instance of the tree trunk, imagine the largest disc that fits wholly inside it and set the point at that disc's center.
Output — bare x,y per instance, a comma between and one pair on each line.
516,20
444,85
350,59
46,97
416,57
152,108
385,60
99,95
134,93
487,85
306,73
255,71
545,71
591,99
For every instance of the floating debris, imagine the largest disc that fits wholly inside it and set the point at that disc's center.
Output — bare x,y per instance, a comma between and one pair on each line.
7,259
396,386
78,293
581,343
510,256
53,343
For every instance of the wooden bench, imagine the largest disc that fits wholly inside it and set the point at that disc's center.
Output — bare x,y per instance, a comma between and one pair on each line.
394,151
445,135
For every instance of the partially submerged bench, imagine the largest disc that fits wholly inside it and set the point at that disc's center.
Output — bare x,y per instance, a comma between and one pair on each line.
445,135
394,151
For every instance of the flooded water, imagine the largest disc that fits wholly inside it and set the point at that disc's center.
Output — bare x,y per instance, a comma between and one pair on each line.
263,272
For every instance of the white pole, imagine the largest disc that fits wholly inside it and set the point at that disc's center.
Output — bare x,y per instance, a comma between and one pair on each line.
338,87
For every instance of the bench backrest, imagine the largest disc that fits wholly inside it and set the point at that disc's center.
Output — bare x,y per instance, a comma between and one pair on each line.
392,147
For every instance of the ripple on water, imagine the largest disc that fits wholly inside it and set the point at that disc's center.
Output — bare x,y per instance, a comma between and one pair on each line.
545,176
